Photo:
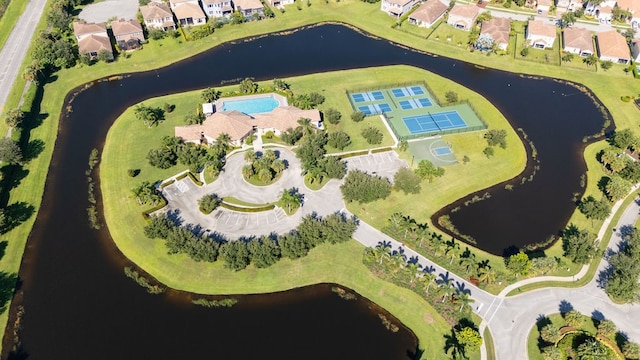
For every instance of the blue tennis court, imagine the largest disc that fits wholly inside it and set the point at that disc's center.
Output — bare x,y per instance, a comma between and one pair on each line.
444,150
434,122
375,108
367,96
414,103
407,91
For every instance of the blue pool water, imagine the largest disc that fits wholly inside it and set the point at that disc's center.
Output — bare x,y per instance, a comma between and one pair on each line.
251,106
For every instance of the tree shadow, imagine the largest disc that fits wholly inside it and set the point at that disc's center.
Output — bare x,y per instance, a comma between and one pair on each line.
604,276
15,214
542,321
621,338
597,317
12,176
3,248
461,287
602,183
565,307
415,355
32,150
7,287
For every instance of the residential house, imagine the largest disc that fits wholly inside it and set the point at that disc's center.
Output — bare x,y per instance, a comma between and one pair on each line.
428,13
577,40
540,35
543,6
499,29
175,3
397,8
128,33
157,16
575,5
603,11
281,3
562,6
635,50
249,8
92,38
463,16
189,14
613,47
632,6
217,8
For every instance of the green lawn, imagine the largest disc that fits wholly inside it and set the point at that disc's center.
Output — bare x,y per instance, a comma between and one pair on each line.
10,18
608,86
557,320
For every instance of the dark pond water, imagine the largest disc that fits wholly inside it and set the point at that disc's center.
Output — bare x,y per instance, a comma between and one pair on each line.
79,305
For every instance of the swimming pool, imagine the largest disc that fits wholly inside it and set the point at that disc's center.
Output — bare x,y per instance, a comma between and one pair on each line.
251,106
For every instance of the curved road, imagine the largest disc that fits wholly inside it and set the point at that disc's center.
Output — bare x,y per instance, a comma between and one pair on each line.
15,48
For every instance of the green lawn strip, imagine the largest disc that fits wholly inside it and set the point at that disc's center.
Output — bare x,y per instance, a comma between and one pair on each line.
233,201
10,18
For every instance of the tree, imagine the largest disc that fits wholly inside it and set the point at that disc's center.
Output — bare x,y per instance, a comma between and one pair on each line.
567,19
488,152
210,95
567,57
105,56
150,116
407,181
235,255
236,18
14,117
487,274
192,156
496,137
158,227
372,135
590,60
364,188
426,170
247,86
162,157
264,252
573,318
208,203
607,328
427,279
332,116
617,188
606,65
524,52
519,264
224,140
579,246
552,353
624,139
291,199
550,333
10,152
453,251
333,167
305,125
469,338
383,251
468,260
339,140
631,350
451,96
147,194
595,209
280,85
403,145
291,135
357,116
53,52
462,298
593,349
194,118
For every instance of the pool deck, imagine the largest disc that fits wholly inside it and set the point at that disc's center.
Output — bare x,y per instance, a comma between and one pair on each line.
282,101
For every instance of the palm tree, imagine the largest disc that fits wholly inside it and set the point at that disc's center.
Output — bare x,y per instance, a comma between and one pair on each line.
403,145
249,156
590,60
413,269
427,278
593,349
422,231
307,126
277,165
224,139
453,250
487,275
446,288
462,298
399,260
316,173
440,247
468,261
247,171
383,250
290,198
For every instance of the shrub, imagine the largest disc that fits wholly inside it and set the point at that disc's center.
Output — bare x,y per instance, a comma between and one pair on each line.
362,187
133,172
208,203
372,135
357,116
332,116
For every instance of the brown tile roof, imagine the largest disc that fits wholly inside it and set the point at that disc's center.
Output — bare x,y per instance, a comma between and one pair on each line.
94,43
233,123
81,28
467,11
579,38
188,10
537,27
611,43
248,4
499,29
429,12
125,27
630,5
544,2
155,10
285,117
214,1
